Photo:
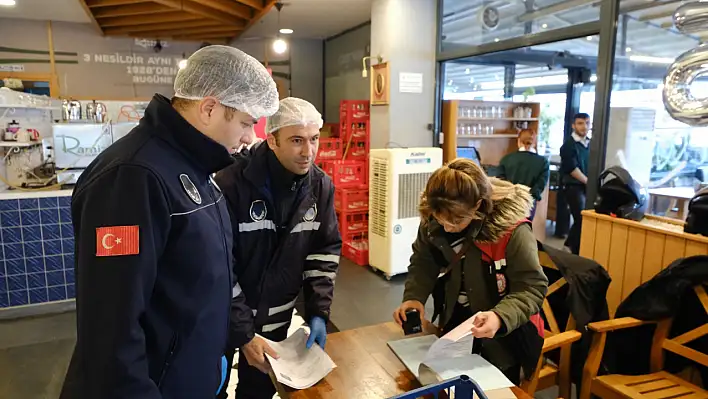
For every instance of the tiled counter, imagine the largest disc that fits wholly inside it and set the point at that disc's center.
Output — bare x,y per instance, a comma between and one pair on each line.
37,241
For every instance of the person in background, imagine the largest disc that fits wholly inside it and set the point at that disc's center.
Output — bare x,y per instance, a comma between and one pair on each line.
526,167
462,210
153,264
575,153
286,238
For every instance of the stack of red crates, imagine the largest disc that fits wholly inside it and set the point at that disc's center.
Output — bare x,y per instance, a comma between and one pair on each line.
345,160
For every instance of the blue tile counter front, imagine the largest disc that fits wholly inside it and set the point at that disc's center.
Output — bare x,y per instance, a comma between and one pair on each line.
37,257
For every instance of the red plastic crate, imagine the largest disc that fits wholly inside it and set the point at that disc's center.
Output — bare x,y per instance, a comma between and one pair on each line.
353,222
351,174
358,129
358,150
357,250
330,149
356,109
350,200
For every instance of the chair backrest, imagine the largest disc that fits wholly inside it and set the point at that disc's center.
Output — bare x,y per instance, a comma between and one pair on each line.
677,345
546,261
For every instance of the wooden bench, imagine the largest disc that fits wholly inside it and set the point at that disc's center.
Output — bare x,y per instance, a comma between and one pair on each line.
657,385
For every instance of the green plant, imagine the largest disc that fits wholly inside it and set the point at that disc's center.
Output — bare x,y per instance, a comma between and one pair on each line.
546,121
528,93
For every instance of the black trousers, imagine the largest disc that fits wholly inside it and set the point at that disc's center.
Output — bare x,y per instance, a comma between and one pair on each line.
252,383
575,197
459,315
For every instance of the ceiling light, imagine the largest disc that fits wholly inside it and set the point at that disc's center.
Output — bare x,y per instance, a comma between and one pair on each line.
467,71
496,39
7,3
651,60
544,26
286,31
449,82
589,37
628,49
280,46
471,80
593,78
182,64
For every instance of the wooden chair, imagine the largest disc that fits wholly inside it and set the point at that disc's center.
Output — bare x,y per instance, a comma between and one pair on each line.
548,374
657,385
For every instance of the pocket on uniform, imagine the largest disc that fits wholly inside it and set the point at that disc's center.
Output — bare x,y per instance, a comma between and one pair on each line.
169,356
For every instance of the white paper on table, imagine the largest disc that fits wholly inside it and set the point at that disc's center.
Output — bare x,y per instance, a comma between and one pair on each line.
456,343
297,366
476,367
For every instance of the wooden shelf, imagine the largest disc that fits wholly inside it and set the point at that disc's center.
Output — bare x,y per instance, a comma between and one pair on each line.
486,136
466,119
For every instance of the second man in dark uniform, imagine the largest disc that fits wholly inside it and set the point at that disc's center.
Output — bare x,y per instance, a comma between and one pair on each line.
286,238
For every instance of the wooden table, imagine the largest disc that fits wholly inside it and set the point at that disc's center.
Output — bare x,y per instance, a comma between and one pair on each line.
678,196
366,367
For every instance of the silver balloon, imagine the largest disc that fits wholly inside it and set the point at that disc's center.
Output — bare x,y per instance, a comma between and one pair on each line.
678,100
692,17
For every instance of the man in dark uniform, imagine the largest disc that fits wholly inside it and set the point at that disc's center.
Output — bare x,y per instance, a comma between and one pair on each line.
575,153
286,238
153,238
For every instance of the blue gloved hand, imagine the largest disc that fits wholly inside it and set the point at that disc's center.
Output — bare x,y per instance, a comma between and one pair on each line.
224,370
318,332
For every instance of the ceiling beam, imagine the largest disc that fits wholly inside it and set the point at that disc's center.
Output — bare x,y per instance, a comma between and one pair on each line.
205,30
124,11
201,38
146,29
640,7
88,12
111,3
255,4
147,19
555,8
200,10
260,14
229,7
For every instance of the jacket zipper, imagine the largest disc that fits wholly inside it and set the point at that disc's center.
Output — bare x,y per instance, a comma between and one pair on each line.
223,243
168,359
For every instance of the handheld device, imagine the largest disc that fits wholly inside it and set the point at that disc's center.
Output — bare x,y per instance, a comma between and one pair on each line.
412,325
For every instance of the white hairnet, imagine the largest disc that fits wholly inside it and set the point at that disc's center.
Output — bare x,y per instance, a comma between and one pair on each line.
233,77
293,112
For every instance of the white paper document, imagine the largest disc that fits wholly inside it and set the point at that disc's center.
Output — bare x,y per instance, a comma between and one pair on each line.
297,366
434,360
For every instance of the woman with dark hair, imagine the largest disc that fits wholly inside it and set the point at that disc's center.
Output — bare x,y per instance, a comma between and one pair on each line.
465,218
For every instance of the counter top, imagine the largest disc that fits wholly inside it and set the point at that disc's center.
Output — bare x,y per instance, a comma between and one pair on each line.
17,194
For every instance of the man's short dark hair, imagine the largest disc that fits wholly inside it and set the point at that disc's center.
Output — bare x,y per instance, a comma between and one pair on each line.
581,115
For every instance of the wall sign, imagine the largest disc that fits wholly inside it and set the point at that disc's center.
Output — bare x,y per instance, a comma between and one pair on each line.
380,84
409,82
143,69
12,68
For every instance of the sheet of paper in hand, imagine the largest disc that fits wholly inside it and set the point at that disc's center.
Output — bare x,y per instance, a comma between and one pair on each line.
297,366
433,360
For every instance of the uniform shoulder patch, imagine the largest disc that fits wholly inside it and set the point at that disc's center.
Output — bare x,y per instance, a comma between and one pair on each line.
190,189
117,240
311,214
258,210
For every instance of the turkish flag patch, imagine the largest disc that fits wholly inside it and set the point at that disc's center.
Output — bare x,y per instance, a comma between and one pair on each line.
117,240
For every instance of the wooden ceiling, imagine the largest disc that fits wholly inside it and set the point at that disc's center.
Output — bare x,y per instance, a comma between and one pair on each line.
213,21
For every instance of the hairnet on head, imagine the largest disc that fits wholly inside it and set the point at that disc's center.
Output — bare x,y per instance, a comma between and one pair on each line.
293,112
231,76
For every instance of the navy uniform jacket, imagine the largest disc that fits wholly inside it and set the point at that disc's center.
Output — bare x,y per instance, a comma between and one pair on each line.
274,259
153,265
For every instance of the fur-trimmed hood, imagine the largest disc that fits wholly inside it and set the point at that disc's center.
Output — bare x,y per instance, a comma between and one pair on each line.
510,205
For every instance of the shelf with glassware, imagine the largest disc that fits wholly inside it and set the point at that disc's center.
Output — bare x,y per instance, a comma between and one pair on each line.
489,126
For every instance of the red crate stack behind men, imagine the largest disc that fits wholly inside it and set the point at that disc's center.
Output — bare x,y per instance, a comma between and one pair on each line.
346,160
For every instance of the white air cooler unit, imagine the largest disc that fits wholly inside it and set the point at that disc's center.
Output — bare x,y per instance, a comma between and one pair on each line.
397,178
